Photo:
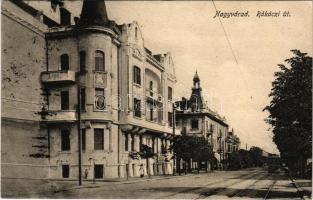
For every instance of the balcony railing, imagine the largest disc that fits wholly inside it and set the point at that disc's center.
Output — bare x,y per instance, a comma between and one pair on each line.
153,95
60,116
58,76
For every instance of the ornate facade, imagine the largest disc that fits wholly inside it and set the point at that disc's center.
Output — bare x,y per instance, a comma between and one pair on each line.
97,79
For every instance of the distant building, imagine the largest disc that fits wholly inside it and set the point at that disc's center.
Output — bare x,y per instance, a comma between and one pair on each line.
194,117
233,142
49,63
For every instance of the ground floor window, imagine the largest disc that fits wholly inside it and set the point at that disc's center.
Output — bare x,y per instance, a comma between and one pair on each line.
194,124
65,171
98,171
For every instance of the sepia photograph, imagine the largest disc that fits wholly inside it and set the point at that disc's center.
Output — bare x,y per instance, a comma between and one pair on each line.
113,99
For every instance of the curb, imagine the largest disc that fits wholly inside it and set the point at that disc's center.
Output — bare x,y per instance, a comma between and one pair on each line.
127,182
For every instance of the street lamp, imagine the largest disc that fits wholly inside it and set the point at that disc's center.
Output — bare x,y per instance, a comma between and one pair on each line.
79,134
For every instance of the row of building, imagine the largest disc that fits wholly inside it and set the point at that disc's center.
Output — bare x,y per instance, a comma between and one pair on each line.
68,81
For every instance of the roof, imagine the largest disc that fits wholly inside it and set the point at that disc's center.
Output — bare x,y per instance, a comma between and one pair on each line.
94,13
196,77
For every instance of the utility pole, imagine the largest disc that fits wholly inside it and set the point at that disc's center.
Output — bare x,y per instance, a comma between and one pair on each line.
79,135
220,148
174,123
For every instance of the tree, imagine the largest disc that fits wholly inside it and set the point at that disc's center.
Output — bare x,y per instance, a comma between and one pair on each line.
146,152
181,150
234,160
202,151
256,156
290,110
245,158
190,147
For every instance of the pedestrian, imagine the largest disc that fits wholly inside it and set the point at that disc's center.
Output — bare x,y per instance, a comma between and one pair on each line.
86,173
141,171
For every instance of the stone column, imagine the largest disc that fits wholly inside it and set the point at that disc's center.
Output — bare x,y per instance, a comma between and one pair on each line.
129,141
137,148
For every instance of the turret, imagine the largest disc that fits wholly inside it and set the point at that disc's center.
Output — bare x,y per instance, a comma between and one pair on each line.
94,13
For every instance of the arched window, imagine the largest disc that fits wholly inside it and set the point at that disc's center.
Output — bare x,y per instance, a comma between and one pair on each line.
65,62
82,61
99,61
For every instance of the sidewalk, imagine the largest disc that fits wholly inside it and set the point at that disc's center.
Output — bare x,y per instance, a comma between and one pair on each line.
25,188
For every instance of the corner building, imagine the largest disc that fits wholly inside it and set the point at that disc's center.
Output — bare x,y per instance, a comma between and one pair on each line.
96,79
195,118
122,88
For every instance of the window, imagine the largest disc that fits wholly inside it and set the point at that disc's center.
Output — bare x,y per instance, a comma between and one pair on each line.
98,171
133,142
82,61
99,99
151,88
170,93
83,98
194,124
65,100
65,171
126,142
98,139
170,119
65,62
136,75
65,17
83,139
99,61
151,113
65,140
137,107
211,128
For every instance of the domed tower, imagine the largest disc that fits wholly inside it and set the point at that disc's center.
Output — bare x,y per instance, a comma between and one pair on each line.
196,99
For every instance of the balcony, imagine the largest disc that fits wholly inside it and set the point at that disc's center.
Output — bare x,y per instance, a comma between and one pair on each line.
60,116
154,96
58,77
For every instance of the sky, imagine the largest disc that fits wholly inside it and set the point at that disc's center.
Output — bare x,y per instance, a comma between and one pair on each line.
237,90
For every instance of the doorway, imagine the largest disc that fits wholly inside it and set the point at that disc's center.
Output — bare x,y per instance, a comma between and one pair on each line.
98,171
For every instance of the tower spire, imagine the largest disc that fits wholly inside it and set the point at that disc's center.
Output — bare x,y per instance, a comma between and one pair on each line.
196,79
94,13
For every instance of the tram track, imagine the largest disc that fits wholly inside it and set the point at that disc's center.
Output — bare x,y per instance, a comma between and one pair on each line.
204,187
267,195
221,189
237,194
